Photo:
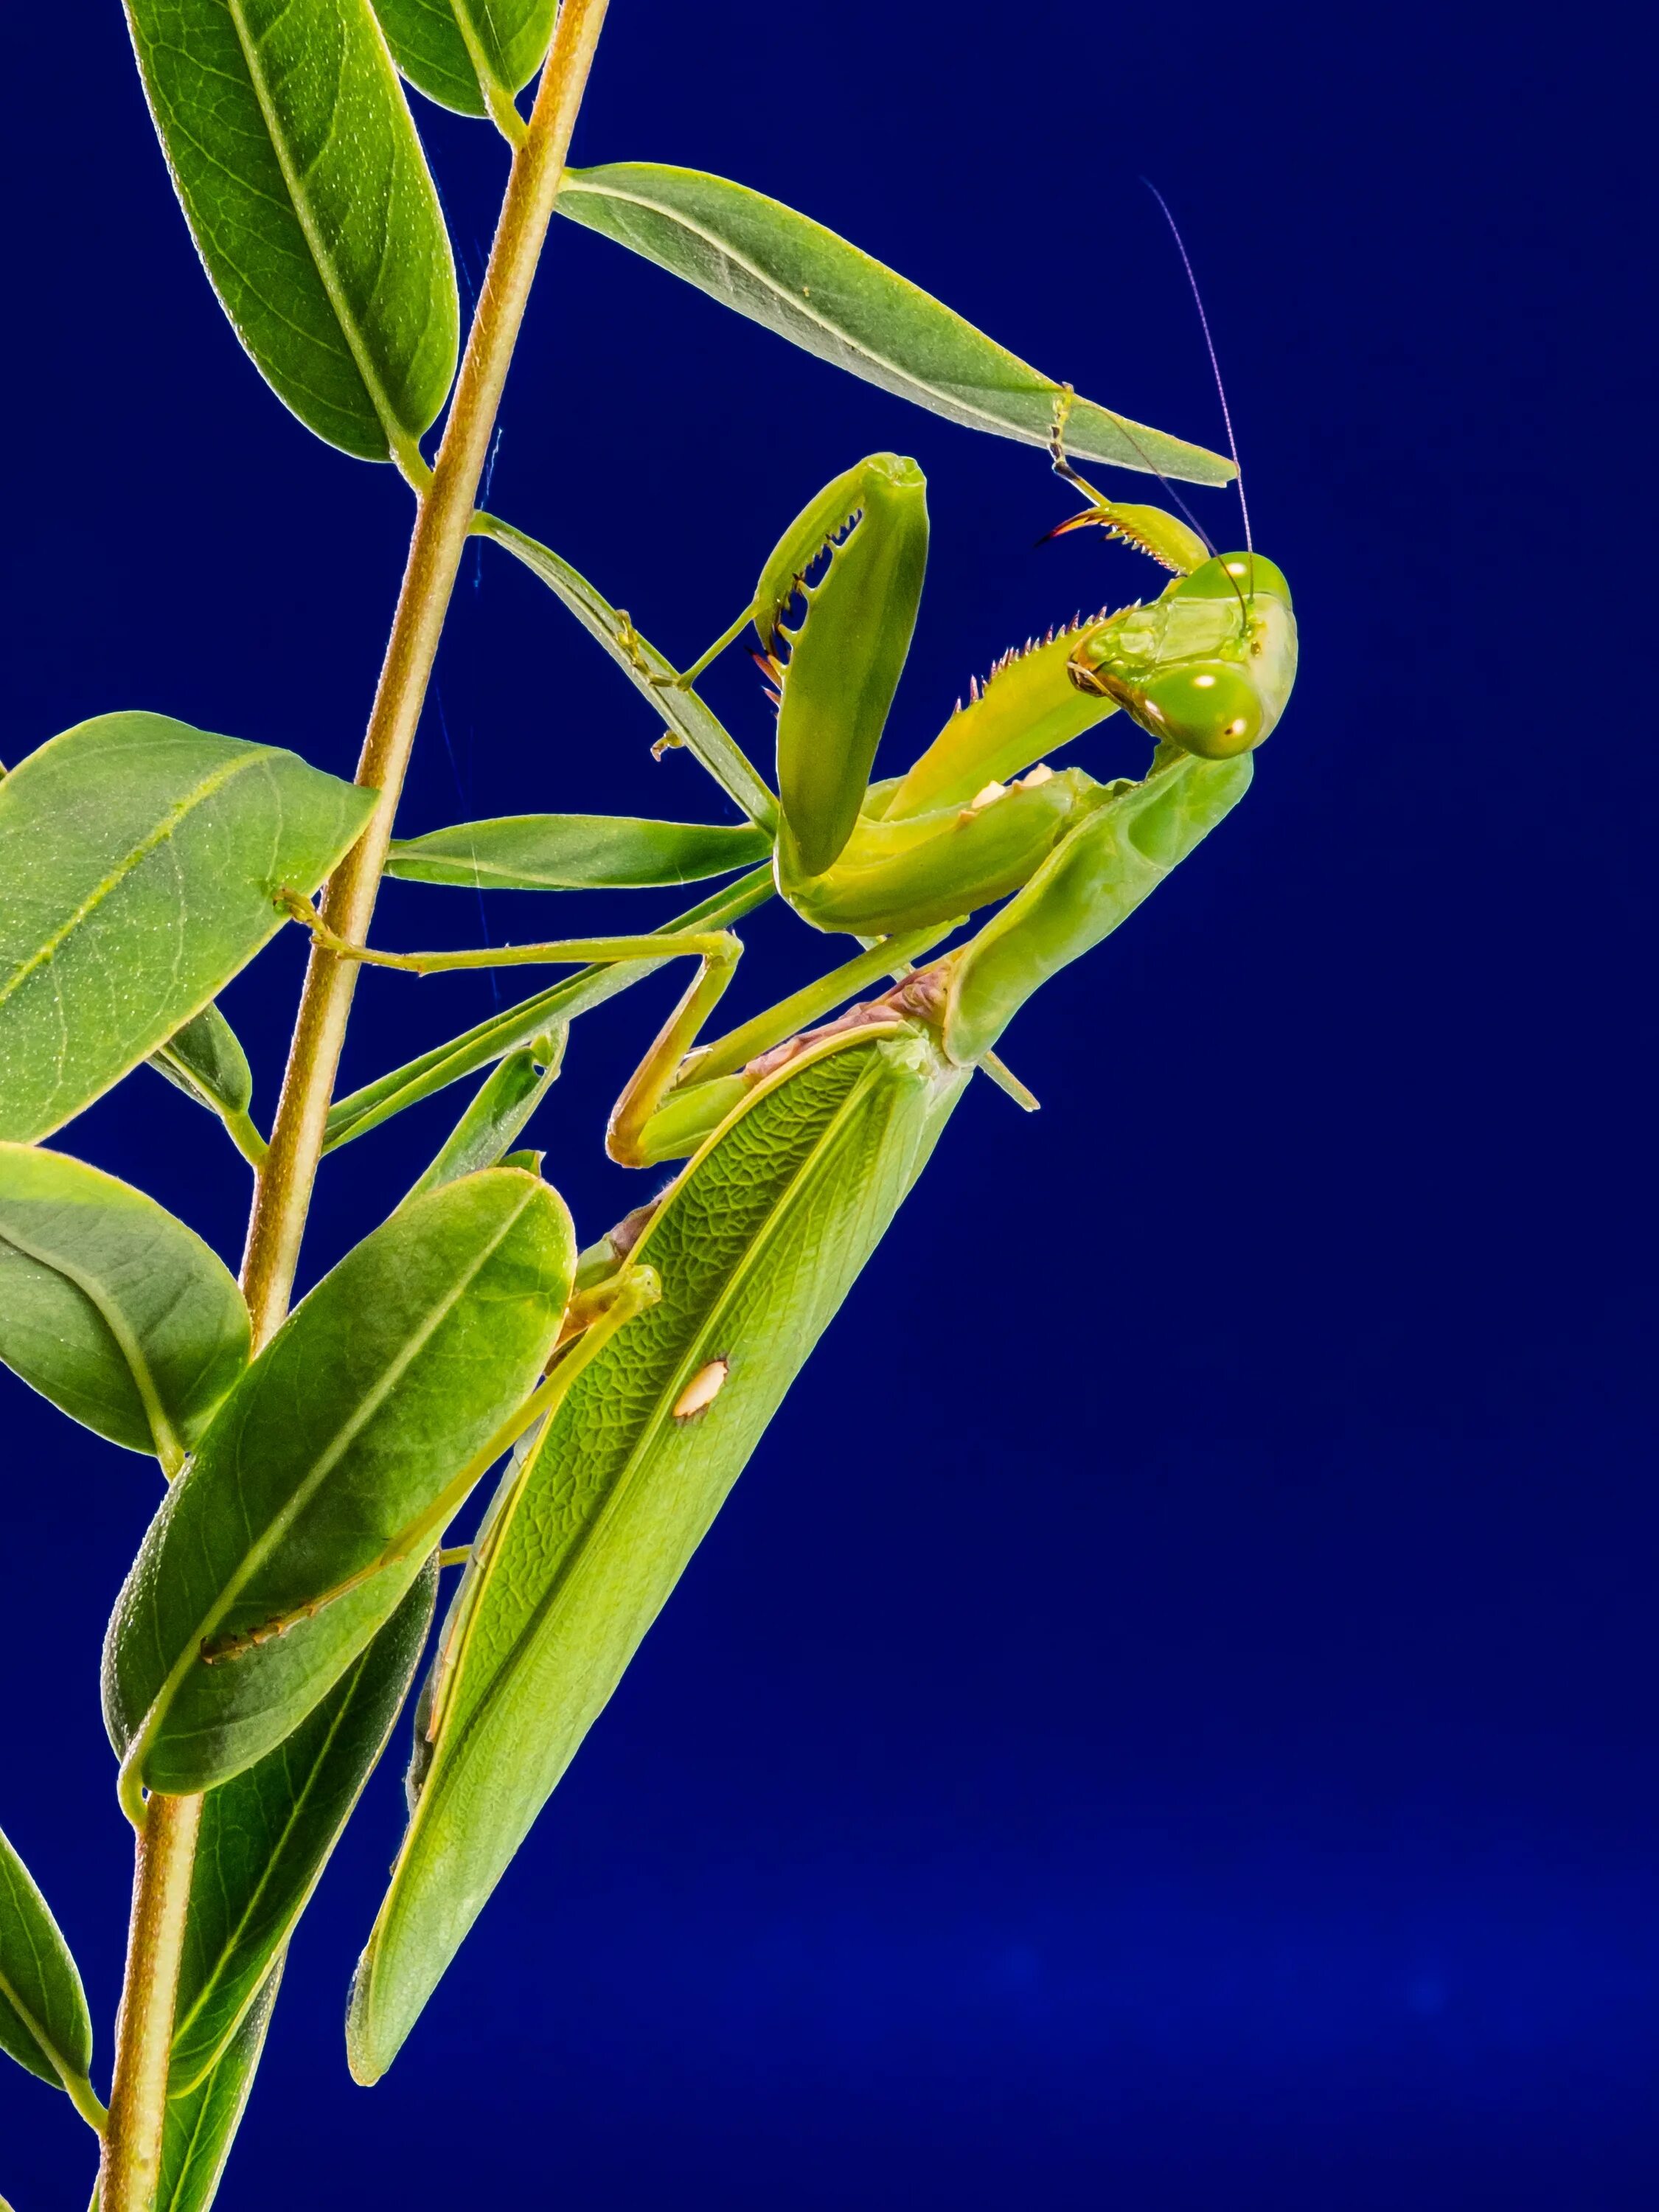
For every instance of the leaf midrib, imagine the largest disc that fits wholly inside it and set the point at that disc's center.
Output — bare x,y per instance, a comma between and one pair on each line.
134,860
759,1244
169,1444
260,1552
399,437
574,182
227,1949
45,2042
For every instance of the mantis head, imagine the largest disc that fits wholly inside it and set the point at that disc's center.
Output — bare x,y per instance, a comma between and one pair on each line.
1209,665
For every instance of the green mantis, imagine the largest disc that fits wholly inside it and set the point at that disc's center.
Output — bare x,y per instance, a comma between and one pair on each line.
980,817
801,1133
654,1361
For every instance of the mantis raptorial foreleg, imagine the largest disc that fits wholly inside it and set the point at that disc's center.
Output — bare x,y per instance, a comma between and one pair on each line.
1150,530
979,818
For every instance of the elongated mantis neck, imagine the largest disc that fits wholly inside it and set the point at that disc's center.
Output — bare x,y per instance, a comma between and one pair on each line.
167,1847
443,518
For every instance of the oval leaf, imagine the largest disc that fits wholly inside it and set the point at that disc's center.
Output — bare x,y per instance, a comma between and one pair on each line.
813,288
277,1556
296,162
43,2021
206,1061
576,851
139,857
756,1244
199,2125
266,1836
471,57
111,1307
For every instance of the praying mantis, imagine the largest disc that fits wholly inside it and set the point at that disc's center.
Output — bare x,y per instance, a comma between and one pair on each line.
802,1129
980,817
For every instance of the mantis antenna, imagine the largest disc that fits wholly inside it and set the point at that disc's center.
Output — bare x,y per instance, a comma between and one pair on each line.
1215,365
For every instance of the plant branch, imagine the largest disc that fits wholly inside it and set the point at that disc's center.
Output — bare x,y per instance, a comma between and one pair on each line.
165,1852
283,1193
166,1845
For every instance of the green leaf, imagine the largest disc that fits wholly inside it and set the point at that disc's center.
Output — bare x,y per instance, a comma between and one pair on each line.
111,1307
470,55
696,726
43,2021
756,1244
205,1061
307,1510
139,857
576,851
296,162
800,280
266,1836
476,1047
199,2126
506,1101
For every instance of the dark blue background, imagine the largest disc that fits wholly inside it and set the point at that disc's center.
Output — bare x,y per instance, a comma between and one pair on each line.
1167,1719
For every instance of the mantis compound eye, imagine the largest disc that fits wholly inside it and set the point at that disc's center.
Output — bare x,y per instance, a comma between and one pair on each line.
1210,710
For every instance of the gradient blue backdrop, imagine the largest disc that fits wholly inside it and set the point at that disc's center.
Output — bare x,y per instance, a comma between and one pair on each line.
1167,1718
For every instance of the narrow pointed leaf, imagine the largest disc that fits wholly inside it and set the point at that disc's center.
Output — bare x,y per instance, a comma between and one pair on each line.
756,1244
205,1061
468,54
111,1307
781,269
43,2021
266,1836
696,726
139,857
349,1429
296,160
199,2126
505,1101
476,1047
576,851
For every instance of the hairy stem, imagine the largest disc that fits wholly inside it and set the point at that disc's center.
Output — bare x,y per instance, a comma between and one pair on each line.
144,2033
283,1193
167,1846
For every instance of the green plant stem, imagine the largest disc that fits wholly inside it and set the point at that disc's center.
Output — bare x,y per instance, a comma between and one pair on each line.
84,2098
247,1139
281,1197
165,1852
282,1192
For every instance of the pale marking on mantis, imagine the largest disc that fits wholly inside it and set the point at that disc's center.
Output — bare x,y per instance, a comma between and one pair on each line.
701,1392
